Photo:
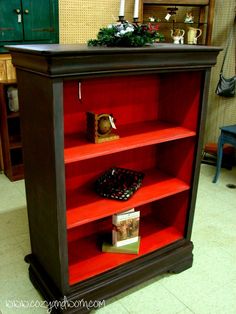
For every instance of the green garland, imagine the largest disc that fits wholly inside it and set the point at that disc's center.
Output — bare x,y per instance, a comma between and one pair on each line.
127,35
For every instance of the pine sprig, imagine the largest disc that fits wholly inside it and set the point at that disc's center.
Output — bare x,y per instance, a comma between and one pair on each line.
127,35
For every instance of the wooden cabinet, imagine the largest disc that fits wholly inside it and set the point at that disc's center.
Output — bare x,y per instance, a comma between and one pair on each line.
7,71
201,10
28,21
10,135
1,157
158,96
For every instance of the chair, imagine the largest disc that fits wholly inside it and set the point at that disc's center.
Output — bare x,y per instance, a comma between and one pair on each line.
227,135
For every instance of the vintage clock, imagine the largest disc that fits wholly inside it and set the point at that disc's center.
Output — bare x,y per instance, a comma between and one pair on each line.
100,127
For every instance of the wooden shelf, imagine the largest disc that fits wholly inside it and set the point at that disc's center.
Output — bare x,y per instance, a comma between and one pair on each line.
179,22
90,206
132,136
203,11
8,82
10,135
17,172
15,144
13,115
177,2
86,258
15,141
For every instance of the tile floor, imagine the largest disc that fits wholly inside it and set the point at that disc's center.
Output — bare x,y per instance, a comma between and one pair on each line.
209,287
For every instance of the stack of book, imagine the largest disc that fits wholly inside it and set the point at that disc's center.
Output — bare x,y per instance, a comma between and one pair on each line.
125,233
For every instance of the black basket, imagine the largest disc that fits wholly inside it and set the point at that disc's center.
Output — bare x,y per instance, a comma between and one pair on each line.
119,183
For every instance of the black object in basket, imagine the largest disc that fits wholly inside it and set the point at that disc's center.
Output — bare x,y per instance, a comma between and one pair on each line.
119,183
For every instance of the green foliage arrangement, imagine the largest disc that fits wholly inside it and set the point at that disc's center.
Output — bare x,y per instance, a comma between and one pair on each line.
127,35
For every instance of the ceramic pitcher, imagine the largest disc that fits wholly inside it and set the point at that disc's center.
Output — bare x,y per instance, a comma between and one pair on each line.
178,36
193,34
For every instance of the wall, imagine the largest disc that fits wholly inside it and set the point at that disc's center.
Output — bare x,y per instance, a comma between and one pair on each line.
80,20
221,111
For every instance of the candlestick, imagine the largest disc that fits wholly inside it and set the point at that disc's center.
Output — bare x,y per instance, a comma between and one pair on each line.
136,9
122,8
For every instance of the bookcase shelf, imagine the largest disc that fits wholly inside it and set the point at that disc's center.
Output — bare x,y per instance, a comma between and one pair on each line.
156,185
13,115
98,262
132,136
161,224
158,98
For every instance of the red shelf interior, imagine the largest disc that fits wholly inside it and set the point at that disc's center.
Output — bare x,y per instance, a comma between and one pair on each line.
161,224
144,116
163,177
156,185
131,136
157,124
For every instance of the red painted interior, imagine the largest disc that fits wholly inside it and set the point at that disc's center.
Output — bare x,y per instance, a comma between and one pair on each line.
162,178
157,124
86,258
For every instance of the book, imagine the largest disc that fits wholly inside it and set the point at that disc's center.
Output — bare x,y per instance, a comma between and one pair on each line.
132,248
125,227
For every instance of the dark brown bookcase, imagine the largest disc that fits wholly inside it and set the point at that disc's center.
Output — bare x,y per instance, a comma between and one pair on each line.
158,96
10,136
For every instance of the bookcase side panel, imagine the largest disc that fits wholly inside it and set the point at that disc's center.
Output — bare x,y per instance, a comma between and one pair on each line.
42,133
205,82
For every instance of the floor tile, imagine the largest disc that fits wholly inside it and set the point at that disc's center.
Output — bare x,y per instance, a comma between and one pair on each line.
20,186
14,223
11,197
28,302
112,307
220,301
151,297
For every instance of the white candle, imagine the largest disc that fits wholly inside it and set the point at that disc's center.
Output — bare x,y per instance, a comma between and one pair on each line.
136,8
122,8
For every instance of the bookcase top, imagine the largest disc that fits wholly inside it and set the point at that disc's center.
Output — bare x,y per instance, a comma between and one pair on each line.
65,49
57,60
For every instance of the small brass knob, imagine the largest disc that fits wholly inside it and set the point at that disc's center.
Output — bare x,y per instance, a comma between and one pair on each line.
17,11
26,11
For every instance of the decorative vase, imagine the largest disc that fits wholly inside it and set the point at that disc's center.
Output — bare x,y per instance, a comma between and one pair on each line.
178,36
193,34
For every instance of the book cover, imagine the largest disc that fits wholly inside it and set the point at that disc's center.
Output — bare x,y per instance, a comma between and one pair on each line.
132,248
125,228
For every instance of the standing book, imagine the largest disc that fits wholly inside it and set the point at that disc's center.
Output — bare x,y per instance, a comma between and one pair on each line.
125,228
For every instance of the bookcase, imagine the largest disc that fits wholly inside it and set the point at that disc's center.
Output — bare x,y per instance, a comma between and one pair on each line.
158,95
10,135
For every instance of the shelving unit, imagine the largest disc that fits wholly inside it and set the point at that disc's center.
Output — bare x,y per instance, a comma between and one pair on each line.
158,97
202,10
10,136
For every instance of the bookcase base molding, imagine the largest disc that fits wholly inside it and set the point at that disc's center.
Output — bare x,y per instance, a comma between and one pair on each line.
158,97
175,258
